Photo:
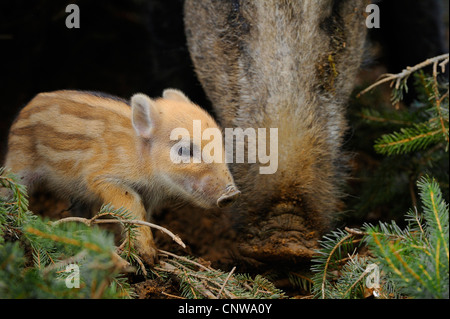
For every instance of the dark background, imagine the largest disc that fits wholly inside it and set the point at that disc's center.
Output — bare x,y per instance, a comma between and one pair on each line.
121,47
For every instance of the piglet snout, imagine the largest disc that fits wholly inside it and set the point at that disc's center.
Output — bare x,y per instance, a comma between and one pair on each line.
230,195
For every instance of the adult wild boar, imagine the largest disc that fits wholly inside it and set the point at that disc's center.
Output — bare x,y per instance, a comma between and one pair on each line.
289,65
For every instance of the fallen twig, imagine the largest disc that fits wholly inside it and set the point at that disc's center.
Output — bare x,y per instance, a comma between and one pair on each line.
225,282
95,220
442,60
185,259
163,266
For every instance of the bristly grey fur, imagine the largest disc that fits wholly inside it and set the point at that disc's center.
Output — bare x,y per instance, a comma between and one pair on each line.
289,65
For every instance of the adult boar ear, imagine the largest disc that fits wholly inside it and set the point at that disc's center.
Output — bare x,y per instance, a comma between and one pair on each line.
175,95
144,115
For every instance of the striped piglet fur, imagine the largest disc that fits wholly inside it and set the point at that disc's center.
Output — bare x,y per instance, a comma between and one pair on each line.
97,149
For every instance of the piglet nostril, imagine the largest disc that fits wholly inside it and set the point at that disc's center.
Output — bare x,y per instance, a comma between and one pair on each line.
229,197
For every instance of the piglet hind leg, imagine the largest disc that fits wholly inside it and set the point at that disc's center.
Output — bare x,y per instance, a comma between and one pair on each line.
23,168
122,196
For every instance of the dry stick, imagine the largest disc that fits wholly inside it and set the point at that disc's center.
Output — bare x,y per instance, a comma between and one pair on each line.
88,222
99,292
172,269
225,282
204,279
208,269
443,63
201,277
324,277
407,72
172,296
445,95
361,277
141,264
95,220
119,251
64,262
352,232
355,231
438,100
185,259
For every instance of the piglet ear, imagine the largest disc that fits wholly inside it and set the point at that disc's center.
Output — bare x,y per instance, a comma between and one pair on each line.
144,115
175,95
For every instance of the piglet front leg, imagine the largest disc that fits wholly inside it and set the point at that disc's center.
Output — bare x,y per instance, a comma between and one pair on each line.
120,195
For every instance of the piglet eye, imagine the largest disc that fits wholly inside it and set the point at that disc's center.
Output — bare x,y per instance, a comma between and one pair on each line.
191,150
184,151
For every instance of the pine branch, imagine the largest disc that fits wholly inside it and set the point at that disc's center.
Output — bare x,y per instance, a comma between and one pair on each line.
199,281
399,78
414,261
438,100
407,140
416,136
435,211
418,259
19,203
329,258
395,118
51,248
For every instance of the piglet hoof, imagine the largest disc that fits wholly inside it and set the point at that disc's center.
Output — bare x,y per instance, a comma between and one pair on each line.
149,255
